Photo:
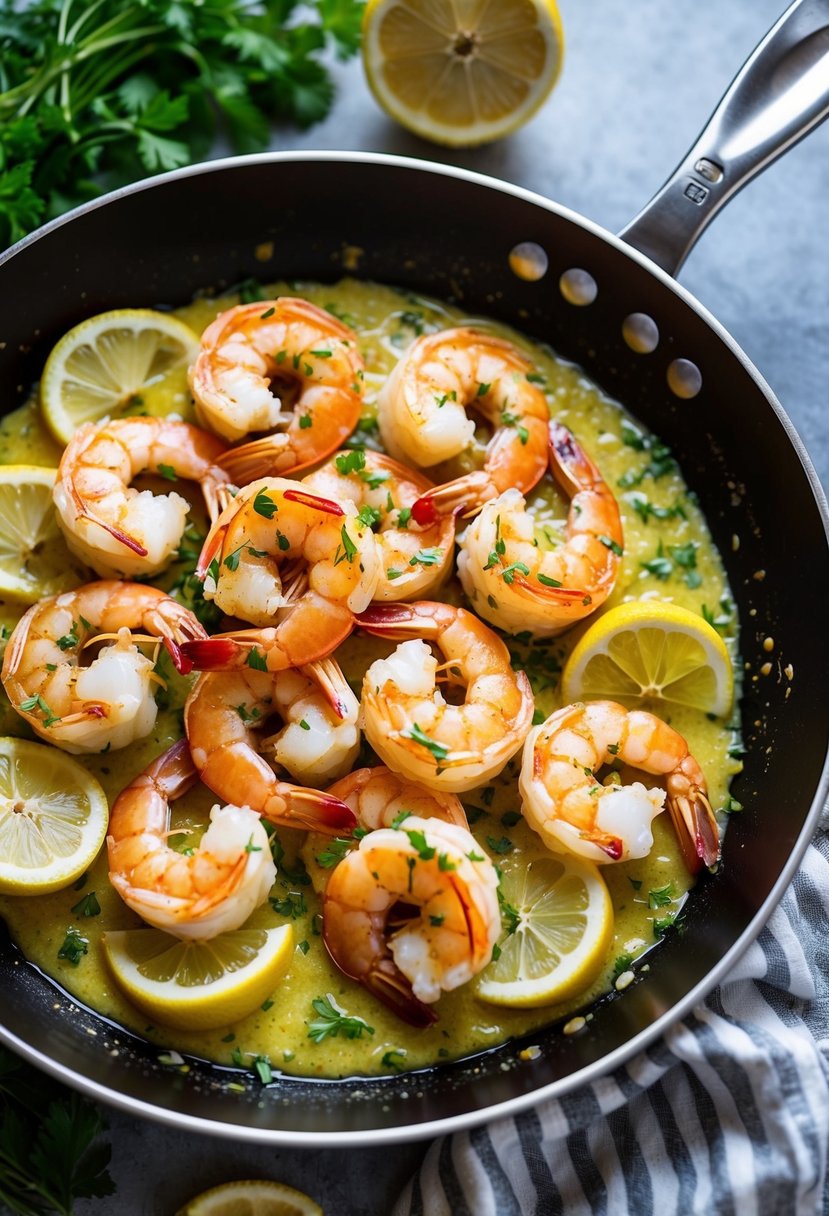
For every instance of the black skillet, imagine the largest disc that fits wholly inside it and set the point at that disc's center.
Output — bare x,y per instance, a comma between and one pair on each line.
605,306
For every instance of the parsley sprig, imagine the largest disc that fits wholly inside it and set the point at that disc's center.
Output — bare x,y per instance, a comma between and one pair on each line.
50,1154
93,95
333,1020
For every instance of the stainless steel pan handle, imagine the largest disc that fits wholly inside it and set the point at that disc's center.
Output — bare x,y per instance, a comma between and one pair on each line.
779,95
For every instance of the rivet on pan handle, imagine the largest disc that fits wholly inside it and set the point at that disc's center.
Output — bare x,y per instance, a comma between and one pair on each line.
779,95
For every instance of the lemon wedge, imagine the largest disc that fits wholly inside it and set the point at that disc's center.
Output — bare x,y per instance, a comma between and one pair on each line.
34,559
199,985
649,652
100,366
561,920
461,73
251,1199
53,818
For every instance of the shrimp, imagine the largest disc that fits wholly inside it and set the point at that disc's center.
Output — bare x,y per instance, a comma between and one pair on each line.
222,716
414,561
107,703
210,891
513,580
379,799
284,366
435,867
422,412
564,802
120,531
275,529
410,725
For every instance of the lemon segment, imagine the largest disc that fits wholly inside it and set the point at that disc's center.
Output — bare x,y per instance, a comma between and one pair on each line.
34,559
199,985
97,368
461,72
53,818
251,1199
561,936
649,652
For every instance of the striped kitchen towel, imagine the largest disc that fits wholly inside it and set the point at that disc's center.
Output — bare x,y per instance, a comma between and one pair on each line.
727,1115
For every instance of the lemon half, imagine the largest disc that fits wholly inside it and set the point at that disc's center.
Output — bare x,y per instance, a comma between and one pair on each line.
34,559
97,368
561,937
198,985
251,1199
648,652
461,72
53,818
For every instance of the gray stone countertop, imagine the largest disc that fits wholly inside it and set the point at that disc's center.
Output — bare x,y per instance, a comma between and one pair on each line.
638,84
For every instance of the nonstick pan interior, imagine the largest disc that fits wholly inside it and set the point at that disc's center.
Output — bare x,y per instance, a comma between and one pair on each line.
450,234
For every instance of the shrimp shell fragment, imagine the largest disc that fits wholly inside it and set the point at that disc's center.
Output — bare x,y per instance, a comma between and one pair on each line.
436,868
407,720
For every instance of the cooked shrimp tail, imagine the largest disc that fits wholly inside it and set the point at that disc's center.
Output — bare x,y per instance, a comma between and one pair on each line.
328,676
198,895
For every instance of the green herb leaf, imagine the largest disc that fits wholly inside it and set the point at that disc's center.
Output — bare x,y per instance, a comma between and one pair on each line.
332,1020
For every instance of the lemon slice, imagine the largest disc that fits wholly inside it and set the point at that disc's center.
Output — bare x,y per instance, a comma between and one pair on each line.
251,1199
34,559
461,72
102,364
198,985
563,927
648,652
53,818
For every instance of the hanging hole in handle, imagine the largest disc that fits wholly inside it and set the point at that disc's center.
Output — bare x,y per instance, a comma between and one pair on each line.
578,287
641,333
528,261
684,379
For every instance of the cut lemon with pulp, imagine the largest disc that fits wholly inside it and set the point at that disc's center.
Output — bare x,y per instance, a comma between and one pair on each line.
34,559
53,818
104,362
648,652
562,926
251,1199
461,72
199,985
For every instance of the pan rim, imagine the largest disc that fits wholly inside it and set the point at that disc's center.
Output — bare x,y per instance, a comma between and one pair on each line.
620,1055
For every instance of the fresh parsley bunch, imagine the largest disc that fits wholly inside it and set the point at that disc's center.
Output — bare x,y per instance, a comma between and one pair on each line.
49,1152
96,93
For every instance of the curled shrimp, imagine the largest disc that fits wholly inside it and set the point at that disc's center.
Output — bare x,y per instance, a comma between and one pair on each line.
121,531
109,701
518,583
436,868
222,718
424,415
210,891
280,554
283,366
563,800
379,798
414,561
415,730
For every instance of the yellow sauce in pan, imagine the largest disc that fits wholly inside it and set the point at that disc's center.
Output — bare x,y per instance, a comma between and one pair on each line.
640,472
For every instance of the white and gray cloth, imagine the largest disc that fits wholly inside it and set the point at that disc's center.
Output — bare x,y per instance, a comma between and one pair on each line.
727,1114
